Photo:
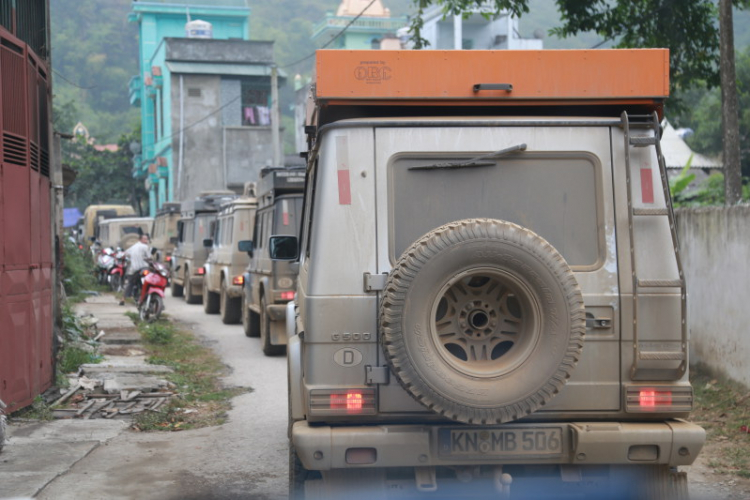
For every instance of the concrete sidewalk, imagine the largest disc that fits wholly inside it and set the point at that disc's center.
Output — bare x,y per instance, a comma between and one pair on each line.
37,452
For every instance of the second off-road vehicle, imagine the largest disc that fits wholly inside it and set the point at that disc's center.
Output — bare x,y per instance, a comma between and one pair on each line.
225,266
270,285
189,257
164,231
490,298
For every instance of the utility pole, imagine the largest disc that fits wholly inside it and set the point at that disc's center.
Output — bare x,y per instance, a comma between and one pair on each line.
729,118
275,115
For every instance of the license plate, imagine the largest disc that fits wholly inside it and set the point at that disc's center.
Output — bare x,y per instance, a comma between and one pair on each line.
473,442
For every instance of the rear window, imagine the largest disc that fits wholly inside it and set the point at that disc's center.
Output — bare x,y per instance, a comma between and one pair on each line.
125,230
288,212
203,226
556,195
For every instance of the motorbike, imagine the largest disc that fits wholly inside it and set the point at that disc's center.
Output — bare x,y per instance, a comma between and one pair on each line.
154,281
105,260
117,272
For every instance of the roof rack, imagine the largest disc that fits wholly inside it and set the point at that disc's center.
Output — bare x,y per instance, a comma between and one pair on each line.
363,83
279,181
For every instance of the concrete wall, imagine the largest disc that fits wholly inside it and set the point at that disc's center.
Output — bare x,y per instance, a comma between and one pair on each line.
201,168
217,153
715,256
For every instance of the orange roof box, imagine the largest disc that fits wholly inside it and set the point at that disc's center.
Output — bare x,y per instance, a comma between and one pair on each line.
477,76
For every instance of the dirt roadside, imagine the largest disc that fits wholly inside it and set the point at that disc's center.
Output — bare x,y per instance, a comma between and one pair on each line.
722,407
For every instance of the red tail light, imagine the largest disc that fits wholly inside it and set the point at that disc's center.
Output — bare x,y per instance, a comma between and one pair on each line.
168,258
651,398
287,295
238,280
677,398
351,402
201,271
359,401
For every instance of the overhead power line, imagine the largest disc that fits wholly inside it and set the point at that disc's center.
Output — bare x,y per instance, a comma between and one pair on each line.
329,42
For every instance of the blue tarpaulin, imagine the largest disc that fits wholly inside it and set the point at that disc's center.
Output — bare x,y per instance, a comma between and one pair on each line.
71,216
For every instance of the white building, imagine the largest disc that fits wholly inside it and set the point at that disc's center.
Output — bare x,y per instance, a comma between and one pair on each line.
475,32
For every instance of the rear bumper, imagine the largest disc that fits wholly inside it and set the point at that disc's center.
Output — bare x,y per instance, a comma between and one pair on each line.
673,442
276,312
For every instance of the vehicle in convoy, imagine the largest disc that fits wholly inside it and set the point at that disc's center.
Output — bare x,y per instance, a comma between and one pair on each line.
164,231
189,256
461,238
226,263
123,232
269,285
97,213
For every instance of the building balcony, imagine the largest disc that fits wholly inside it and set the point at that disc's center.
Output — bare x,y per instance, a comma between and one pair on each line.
135,91
363,24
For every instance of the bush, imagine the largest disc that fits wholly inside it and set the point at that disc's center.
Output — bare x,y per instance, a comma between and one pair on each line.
78,270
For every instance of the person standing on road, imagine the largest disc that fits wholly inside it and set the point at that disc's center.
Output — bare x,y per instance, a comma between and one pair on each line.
137,256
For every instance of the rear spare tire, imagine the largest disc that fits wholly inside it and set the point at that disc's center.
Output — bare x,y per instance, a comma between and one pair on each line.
482,321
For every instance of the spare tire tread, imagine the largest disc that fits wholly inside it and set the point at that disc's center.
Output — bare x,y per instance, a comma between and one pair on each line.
395,295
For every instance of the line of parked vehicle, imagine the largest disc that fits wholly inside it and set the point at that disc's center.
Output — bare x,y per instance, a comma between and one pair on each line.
219,255
214,249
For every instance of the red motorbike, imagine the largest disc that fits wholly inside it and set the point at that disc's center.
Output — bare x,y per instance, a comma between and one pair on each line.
153,283
117,273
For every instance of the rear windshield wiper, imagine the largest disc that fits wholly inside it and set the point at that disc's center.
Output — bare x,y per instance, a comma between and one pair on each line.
474,162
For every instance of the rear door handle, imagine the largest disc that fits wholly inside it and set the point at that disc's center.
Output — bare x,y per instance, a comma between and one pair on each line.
508,87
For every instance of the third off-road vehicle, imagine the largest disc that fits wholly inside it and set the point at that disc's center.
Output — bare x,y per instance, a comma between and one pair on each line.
188,259
490,299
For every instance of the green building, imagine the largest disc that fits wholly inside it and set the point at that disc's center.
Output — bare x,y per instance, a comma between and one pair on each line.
159,20
374,29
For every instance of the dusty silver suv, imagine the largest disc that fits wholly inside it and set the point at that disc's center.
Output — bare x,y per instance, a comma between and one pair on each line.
269,285
226,263
452,262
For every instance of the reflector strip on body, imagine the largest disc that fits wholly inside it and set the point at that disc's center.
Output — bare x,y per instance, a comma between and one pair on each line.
647,186
342,165
285,211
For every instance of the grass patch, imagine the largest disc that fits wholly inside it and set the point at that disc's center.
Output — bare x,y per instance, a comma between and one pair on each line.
71,358
722,407
39,410
202,401
76,348
158,333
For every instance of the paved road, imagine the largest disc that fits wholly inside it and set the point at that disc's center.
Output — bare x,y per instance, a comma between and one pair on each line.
244,459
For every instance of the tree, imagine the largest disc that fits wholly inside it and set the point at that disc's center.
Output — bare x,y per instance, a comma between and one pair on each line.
705,116
104,177
729,119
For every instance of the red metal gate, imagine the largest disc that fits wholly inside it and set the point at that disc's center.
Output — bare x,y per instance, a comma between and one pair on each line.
26,258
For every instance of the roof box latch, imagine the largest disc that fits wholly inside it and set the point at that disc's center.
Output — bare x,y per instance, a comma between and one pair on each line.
493,86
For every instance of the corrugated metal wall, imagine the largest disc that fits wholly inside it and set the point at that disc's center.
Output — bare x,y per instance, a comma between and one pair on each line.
26,258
